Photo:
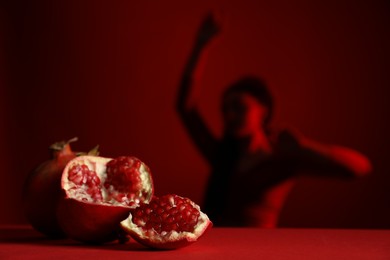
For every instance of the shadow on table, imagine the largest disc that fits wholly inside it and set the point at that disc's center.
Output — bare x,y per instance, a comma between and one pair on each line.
26,235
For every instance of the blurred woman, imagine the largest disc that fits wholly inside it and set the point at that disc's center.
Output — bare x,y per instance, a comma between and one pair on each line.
252,168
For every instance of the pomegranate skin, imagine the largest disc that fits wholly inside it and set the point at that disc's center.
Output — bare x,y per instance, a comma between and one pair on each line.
72,215
42,191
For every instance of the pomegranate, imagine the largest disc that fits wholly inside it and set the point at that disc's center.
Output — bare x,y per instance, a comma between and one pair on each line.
99,193
167,222
42,190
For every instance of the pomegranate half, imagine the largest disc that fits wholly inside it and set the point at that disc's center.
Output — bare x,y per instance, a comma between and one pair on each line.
167,222
99,193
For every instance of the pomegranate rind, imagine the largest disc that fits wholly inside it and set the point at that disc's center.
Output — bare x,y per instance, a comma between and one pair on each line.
83,219
170,240
90,223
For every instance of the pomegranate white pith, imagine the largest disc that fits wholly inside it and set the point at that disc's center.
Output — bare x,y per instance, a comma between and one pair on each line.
170,225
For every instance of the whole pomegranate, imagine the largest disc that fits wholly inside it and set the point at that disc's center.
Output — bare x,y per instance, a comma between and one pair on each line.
99,193
167,222
42,190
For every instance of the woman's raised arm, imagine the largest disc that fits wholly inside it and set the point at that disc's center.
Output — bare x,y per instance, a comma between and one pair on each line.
186,103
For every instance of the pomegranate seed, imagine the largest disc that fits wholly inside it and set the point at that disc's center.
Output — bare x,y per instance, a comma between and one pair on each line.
158,210
173,211
186,213
138,212
154,206
170,219
165,215
138,221
178,217
155,218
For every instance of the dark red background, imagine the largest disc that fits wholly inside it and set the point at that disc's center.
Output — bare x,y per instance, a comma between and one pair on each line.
108,72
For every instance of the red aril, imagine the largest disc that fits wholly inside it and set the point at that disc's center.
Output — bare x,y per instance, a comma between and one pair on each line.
99,193
42,190
167,222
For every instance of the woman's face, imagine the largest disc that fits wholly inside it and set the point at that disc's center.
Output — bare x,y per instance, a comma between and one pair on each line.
242,114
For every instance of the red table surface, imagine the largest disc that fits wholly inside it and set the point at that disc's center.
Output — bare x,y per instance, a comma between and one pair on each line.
21,242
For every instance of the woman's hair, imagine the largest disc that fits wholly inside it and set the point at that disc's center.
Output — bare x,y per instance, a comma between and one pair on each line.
255,87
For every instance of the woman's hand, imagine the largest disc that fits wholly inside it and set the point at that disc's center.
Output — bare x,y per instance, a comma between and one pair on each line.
208,30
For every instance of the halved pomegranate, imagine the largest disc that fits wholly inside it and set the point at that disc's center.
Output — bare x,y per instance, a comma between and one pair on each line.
167,222
99,193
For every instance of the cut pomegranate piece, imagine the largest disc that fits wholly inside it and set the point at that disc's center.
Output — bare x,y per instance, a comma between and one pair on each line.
99,194
167,222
